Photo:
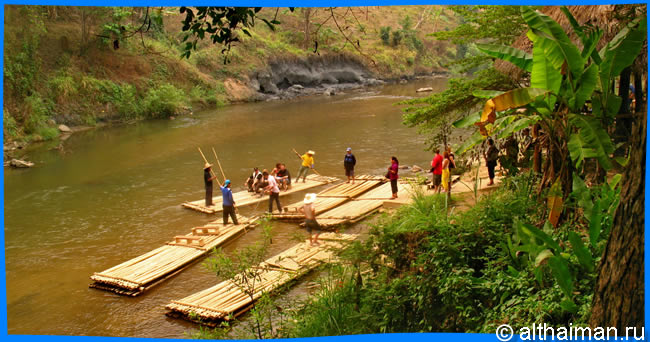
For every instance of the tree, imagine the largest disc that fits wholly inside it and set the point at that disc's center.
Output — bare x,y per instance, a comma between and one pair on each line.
619,295
563,79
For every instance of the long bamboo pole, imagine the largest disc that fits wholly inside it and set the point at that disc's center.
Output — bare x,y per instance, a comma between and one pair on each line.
219,163
211,172
299,156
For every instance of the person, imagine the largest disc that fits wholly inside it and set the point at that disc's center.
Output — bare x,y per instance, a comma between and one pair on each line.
311,224
445,177
283,176
349,161
273,190
491,156
307,163
228,203
392,175
253,179
208,178
436,168
509,161
261,184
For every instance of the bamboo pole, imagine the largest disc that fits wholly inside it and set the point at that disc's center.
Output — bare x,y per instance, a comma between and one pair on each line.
299,156
219,163
206,161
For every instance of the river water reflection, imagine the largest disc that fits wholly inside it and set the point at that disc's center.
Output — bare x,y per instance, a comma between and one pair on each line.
115,193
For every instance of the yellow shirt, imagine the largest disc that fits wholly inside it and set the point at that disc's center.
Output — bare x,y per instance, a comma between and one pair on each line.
307,160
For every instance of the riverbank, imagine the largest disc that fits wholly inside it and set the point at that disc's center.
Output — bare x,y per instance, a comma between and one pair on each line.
53,78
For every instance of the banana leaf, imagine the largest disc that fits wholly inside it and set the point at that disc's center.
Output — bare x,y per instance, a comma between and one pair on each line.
560,270
589,39
584,256
555,203
520,58
468,120
593,140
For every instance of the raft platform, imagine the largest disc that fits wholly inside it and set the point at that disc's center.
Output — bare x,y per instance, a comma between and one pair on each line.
226,299
332,197
244,197
133,277
363,206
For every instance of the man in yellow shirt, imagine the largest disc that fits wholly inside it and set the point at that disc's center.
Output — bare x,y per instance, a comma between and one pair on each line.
307,163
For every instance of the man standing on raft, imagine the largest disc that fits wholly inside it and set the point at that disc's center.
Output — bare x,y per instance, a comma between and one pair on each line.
228,203
307,163
208,178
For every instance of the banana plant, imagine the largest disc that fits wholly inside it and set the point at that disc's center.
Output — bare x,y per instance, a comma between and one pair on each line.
563,79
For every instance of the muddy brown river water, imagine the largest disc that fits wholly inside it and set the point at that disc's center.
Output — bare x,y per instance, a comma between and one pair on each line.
115,193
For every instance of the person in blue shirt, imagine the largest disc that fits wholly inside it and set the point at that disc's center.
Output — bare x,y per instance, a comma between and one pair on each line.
349,161
228,203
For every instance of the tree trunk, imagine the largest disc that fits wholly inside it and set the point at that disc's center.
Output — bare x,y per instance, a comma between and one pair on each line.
639,102
620,289
307,27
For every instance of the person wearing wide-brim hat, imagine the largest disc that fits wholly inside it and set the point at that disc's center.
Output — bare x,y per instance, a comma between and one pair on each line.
228,203
307,163
208,178
309,210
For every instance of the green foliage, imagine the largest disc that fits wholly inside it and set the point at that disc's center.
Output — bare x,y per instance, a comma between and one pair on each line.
397,38
38,112
163,101
10,127
499,24
384,34
21,70
431,271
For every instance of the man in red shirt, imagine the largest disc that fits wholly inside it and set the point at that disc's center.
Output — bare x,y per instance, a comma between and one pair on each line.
436,168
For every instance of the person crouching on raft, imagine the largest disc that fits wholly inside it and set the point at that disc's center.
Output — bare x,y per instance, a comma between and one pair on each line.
307,163
228,203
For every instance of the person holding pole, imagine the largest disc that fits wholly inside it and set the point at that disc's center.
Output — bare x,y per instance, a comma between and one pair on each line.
228,203
307,163
208,177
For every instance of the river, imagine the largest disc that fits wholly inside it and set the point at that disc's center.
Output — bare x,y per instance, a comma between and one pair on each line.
114,193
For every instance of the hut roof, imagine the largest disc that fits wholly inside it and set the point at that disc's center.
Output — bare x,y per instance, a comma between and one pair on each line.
602,16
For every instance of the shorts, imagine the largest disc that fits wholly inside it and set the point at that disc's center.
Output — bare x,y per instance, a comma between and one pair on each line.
437,180
349,172
312,224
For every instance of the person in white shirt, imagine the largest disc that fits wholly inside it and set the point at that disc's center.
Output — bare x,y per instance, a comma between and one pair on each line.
274,191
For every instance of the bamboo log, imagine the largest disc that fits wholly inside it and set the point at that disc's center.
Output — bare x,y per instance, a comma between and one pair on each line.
206,161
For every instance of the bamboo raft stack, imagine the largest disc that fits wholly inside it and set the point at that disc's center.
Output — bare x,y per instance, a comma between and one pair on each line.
332,197
133,277
361,207
219,302
245,198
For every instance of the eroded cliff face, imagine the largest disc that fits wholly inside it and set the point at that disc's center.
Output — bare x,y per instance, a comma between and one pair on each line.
289,77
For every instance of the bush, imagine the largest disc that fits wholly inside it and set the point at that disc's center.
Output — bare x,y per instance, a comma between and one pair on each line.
38,111
163,101
397,38
384,34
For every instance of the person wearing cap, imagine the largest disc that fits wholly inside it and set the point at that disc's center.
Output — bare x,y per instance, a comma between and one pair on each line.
274,191
253,179
208,178
349,161
261,184
307,163
228,203
309,211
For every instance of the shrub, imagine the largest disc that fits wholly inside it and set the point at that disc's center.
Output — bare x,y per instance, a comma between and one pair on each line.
397,38
384,34
37,113
163,101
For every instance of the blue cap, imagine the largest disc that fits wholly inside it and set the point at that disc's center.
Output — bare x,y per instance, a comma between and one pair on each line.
226,182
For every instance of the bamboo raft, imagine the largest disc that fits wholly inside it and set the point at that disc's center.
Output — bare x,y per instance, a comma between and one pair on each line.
332,197
219,302
245,198
361,207
133,277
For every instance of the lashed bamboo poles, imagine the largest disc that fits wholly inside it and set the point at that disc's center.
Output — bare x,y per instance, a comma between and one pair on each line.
135,275
246,198
219,163
225,298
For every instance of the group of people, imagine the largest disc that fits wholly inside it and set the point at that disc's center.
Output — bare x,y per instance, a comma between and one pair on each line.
441,166
278,179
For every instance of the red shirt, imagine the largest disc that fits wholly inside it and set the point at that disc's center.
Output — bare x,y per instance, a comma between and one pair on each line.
436,164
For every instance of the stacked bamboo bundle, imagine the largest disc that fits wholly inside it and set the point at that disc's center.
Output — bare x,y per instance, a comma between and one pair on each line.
226,298
141,273
349,212
245,198
332,197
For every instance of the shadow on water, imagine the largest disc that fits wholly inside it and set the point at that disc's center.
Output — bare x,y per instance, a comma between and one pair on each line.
115,193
